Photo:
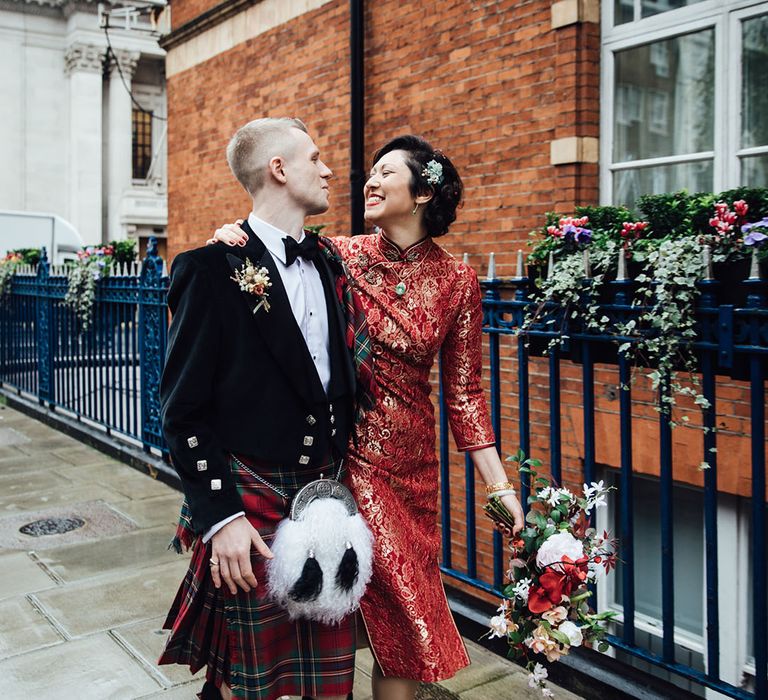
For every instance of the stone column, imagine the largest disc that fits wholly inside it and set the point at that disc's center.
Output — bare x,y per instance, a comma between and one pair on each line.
119,139
84,70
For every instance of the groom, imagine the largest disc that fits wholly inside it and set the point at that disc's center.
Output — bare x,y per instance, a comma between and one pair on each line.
257,396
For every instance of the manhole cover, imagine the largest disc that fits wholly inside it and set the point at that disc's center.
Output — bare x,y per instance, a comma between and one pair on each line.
51,526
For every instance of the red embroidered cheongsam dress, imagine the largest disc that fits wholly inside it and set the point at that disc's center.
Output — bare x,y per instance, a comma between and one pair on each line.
417,301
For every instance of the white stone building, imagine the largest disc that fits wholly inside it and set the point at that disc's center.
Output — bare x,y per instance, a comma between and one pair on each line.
76,142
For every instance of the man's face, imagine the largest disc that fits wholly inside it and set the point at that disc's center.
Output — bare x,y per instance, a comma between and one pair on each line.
306,175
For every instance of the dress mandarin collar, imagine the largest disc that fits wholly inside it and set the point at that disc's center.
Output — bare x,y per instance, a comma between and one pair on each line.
414,252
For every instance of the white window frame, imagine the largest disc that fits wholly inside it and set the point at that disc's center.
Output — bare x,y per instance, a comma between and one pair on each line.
725,17
733,581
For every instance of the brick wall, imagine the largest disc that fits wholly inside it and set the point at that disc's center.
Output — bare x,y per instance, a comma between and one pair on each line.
477,79
288,71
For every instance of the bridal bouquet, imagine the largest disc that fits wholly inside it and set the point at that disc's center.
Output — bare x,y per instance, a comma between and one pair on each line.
553,560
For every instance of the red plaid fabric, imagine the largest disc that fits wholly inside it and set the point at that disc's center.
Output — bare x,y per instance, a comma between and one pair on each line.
246,640
357,336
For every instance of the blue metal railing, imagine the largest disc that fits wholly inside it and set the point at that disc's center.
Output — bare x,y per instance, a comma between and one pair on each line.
729,339
107,374
110,373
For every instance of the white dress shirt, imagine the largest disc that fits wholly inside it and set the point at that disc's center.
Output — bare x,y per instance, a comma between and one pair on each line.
307,299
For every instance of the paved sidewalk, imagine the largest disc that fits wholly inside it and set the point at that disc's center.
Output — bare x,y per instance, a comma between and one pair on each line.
81,611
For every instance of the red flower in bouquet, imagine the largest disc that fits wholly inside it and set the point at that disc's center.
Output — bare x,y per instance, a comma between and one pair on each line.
545,610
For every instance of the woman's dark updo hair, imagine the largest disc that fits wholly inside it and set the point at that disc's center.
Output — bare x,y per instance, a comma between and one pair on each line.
440,211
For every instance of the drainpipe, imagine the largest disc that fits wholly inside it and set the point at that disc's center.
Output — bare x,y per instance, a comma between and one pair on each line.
357,115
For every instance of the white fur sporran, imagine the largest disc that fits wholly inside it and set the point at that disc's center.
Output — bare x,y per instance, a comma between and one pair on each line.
323,554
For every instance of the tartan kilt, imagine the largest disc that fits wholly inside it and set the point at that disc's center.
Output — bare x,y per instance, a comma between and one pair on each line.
246,640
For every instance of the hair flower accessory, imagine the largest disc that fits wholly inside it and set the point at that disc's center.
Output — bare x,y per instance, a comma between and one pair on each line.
433,173
254,280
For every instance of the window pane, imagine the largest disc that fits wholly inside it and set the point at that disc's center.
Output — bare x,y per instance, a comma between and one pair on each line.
628,185
754,96
142,143
655,7
754,171
688,559
664,98
623,11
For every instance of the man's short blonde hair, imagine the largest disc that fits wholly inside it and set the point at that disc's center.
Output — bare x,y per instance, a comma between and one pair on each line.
255,144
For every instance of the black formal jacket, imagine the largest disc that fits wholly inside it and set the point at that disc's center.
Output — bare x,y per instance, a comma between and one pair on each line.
241,382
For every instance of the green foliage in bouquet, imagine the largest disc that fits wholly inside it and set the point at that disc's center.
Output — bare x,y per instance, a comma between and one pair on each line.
545,609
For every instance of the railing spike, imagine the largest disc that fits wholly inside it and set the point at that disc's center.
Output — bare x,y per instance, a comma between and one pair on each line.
491,267
621,275
587,265
550,264
165,269
465,258
706,259
519,271
754,268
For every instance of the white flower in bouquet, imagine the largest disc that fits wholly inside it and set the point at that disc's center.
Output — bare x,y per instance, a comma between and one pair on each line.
556,615
499,626
521,589
561,544
572,631
538,675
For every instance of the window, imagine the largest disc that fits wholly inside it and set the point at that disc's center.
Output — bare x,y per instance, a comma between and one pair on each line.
688,560
683,99
142,143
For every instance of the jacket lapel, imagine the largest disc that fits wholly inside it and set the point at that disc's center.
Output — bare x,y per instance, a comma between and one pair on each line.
342,371
277,327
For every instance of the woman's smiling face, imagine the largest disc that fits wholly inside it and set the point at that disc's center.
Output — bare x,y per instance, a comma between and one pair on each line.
388,196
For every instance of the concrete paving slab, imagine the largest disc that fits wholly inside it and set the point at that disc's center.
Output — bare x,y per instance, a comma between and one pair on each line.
151,512
23,628
19,574
12,452
180,692
111,601
95,668
145,641
39,446
32,482
10,503
133,550
24,464
514,685
119,478
99,521
485,668
80,455
9,436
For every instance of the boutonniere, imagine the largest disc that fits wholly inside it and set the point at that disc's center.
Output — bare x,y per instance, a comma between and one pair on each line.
254,280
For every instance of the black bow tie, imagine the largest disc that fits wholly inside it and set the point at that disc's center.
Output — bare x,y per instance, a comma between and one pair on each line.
307,249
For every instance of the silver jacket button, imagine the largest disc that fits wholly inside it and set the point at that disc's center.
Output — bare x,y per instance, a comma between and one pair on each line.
215,484
192,441
202,465
303,459
308,440
311,419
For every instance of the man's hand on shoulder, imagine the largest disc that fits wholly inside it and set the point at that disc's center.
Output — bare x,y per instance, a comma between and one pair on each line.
231,549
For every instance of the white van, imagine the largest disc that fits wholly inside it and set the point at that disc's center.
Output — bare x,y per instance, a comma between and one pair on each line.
23,229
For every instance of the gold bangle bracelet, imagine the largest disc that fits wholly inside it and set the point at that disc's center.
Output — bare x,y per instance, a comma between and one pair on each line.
499,486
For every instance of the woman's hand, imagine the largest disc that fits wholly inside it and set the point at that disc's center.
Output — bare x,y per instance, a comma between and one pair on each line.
511,503
231,234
